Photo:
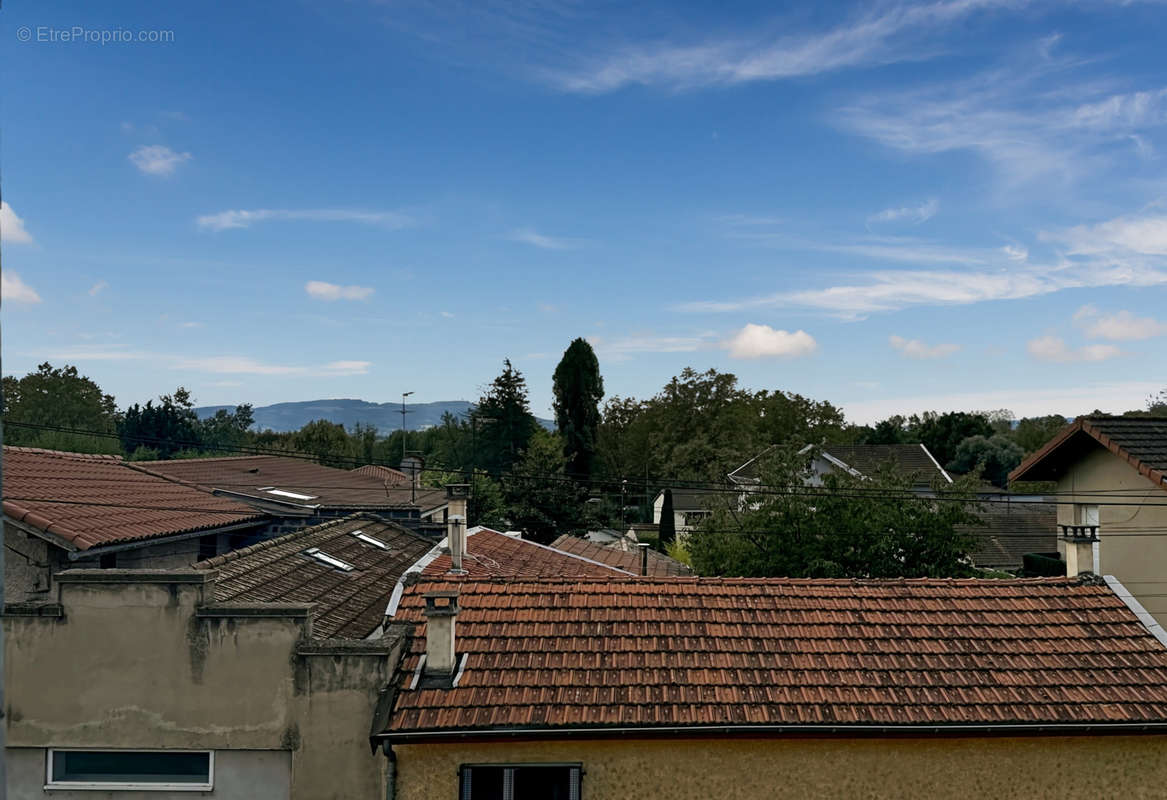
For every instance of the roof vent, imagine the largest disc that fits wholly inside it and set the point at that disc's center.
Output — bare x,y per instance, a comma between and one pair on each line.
324,558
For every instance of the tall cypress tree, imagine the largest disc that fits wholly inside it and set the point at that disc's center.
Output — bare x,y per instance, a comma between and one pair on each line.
503,421
578,389
668,522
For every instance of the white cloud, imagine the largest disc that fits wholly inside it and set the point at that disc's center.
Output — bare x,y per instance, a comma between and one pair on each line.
157,159
226,220
535,239
914,348
1070,398
762,341
96,353
1055,349
1144,235
15,290
1119,326
98,288
912,214
887,35
622,348
321,290
1015,252
12,229
447,314
244,365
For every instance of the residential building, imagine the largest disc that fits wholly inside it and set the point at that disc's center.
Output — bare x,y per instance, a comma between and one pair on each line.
391,477
858,460
1111,487
637,559
1010,529
779,688
690,506
70,510
299,491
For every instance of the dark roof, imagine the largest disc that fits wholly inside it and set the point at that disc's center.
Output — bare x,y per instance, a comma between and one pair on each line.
1010,531
88,501
491,554
350,604
255,477
865,459
1140,441
704,652
692,499
392,477
659,565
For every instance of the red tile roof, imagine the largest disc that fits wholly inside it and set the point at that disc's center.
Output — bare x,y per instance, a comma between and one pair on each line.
1010,530
92,500
696,652
255,477
1140,441
659,565
490,553
392,477
349,604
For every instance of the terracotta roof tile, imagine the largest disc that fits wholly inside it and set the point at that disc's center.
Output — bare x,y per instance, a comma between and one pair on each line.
490,553
390,476
93,500
646,652
350,604
659,565
1140,441
307,482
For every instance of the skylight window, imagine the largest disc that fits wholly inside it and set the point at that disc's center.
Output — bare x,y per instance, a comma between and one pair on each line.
285,493
370,540
324,558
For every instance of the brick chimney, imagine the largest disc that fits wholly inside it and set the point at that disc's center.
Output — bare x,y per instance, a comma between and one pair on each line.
441,611
1079,541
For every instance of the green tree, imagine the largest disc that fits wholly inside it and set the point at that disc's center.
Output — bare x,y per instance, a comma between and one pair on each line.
992,457
1032,433
873,527
1157,404
226,430
169,427
540,499
578,389
328,442
503,421
61,398
668,521
943,433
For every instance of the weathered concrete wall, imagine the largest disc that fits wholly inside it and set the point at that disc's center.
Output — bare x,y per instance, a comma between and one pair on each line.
27,565
1131,767
1133,535
239,775
144,660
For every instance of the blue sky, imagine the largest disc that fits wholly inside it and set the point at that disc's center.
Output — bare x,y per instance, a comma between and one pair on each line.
894,207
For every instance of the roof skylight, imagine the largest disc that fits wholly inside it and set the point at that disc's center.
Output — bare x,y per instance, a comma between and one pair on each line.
324,558
370,540
285,493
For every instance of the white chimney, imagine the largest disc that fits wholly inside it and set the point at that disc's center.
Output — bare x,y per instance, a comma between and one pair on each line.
1080,541
441,610
456,541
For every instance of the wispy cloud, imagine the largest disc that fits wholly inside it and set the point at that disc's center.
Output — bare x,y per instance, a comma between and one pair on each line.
1118,327
1145,235
911,214
321,290
536,239
915,348
243,365
158,159
762,341
98,288
1055,349
886,35
227,220
12,230
15,290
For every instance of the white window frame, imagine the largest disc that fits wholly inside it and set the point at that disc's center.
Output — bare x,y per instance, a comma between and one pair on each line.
367,539
320,556
290,495
127,786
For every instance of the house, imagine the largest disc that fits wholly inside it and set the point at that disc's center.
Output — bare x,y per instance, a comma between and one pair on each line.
1111,488
607,688
639,560
858,460
690,506
299,491
391,477
71,510
1010,530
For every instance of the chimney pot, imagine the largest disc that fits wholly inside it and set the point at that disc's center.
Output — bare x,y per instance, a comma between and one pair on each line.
441,611
643,557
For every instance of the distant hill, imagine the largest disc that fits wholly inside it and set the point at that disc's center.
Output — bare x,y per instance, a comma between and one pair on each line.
385,416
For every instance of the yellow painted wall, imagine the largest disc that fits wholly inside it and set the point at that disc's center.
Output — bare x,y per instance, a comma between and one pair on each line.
1128,767
1134,534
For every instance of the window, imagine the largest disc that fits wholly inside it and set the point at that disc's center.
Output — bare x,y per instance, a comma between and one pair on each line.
293,495
521,782
170,770
108,561
208,546
324,558
364,537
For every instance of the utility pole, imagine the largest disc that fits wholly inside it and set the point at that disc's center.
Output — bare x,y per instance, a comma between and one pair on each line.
403,413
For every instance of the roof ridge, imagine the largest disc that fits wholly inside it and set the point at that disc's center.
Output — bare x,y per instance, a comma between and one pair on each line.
1082,580
43,451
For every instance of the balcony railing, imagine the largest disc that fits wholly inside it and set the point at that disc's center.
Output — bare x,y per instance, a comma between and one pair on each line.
1079,533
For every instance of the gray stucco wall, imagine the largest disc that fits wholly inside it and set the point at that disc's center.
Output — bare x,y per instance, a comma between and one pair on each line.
239,775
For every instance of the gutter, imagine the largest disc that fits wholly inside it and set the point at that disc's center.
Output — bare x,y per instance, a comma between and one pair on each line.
75,555
698,731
